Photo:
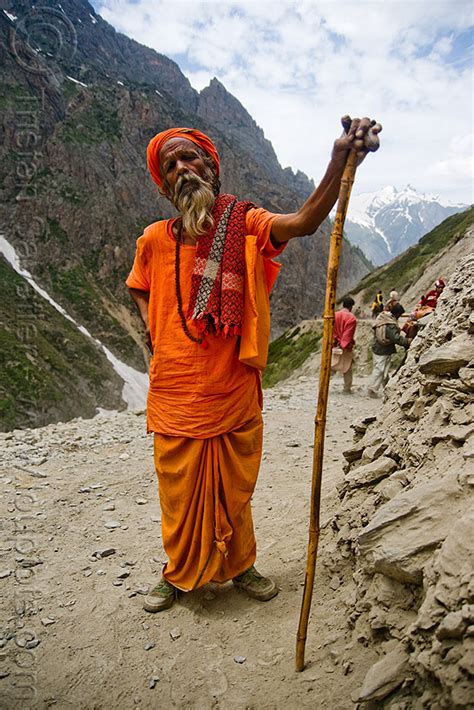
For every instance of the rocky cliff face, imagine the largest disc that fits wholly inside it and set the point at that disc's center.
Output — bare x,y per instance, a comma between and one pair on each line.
406,518
77,116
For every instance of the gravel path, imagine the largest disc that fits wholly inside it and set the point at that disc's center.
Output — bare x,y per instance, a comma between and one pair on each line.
82,544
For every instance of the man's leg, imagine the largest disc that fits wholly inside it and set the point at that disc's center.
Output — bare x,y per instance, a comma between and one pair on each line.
348,358
380,368
386,368
348,380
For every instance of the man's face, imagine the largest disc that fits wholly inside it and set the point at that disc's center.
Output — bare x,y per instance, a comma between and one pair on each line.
188,182
180,157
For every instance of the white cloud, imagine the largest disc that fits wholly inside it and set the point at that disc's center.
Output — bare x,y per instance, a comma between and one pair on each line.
298,66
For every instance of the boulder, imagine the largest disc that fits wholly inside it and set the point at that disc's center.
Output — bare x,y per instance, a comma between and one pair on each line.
458,433
404,531
371,472
471,323
466,375
454,561
385,676
447,359
463,415
453,626
468,449
354,453
360,425
373,452
409,396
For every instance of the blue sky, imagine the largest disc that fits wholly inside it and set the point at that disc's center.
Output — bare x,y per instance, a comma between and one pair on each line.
298,66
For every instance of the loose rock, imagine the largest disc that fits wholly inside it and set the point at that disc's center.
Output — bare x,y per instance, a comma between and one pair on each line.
384,676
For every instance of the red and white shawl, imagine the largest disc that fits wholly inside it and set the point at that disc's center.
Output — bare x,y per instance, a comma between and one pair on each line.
217,287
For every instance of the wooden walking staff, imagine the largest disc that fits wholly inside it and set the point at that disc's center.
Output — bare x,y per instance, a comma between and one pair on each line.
320,420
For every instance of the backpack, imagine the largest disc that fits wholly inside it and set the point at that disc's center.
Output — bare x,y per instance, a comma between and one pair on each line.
380,328
380,336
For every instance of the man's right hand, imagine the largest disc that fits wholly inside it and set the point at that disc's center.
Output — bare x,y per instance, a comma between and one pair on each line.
359,134
148,341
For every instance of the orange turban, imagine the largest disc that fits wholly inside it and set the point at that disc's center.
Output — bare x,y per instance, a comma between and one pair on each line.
190,134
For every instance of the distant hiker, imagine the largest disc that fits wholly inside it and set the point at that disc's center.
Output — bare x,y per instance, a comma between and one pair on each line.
201,283
424,307
345,324
392,301
387,335
377,305
431,298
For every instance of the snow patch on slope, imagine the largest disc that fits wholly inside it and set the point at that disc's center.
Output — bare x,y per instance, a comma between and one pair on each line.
135,385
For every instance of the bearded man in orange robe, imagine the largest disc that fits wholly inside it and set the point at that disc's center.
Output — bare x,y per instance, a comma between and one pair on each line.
201,283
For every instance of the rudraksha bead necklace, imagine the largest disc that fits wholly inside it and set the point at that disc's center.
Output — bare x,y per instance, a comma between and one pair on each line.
179,299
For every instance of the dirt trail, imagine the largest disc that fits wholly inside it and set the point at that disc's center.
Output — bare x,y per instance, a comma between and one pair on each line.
90,644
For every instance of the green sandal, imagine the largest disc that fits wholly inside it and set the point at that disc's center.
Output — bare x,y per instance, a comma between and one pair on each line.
161,597
256,586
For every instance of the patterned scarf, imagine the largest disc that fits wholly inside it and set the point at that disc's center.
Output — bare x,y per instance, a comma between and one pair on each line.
217,287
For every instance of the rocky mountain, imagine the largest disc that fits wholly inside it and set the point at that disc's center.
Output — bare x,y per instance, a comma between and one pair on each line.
385,223
79,104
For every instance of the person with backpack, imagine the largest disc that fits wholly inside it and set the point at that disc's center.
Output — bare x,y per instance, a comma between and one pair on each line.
387,334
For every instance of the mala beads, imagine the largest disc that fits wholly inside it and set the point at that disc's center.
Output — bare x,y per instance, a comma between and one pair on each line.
179,299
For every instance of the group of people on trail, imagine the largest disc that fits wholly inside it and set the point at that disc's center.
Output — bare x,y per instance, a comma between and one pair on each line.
201,284
386,336
378,304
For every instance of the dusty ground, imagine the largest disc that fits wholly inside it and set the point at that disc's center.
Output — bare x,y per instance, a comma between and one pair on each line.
74,632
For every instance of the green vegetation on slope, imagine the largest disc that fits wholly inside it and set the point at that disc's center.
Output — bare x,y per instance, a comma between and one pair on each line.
75,289
408,267
357,250
48,369
288,352
95,121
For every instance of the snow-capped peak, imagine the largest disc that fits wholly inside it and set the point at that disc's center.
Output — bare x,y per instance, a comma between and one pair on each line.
386,222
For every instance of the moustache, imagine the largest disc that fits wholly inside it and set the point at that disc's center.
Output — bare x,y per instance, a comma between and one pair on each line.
188,179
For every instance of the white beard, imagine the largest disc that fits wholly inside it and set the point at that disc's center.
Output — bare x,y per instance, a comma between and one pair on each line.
194,198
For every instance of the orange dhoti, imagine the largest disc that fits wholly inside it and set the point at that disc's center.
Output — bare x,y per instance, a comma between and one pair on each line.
205,487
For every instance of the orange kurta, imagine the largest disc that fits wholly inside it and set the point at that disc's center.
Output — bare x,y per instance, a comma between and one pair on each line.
204,406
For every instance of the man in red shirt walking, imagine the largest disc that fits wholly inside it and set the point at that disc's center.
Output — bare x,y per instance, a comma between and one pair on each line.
345,324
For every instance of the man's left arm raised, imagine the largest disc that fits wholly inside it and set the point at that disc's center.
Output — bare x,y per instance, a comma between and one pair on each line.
360,135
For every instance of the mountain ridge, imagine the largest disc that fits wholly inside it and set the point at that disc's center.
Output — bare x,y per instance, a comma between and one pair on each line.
384,223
